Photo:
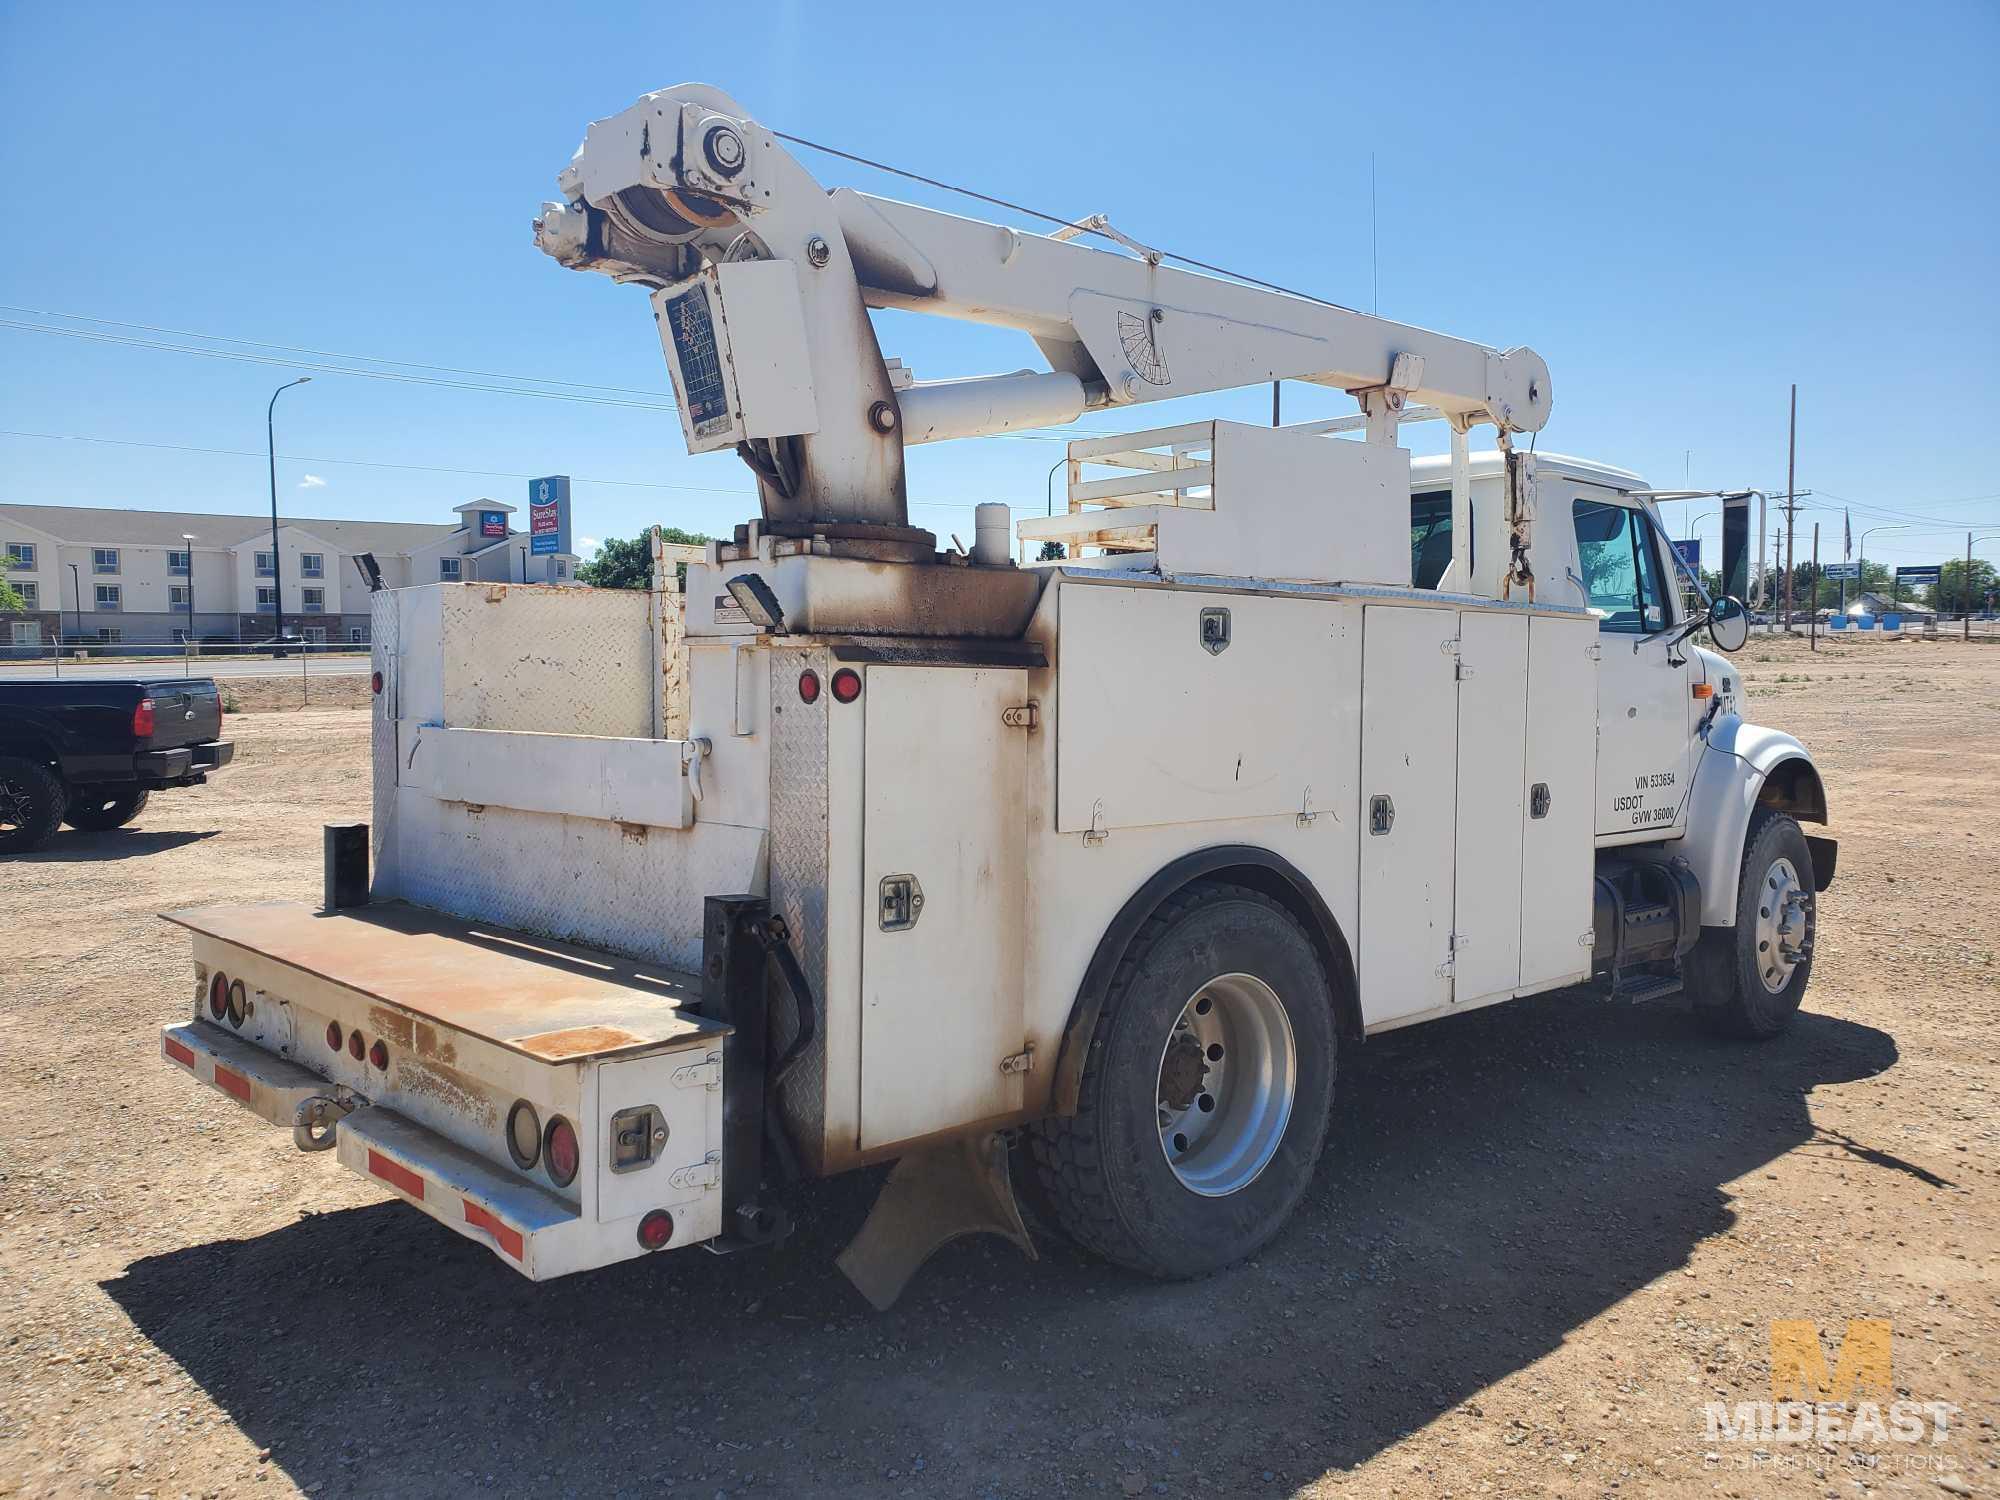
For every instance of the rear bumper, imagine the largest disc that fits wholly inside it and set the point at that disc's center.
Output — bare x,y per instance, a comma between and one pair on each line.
183,763
529,1229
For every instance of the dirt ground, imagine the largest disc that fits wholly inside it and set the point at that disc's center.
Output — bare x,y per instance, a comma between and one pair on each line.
1546,1233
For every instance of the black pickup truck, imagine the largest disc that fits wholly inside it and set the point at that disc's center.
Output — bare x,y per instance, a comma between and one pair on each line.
89,751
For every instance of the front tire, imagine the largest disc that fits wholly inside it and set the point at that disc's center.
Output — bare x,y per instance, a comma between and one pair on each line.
31,805
1206,1091
1747,980
92,809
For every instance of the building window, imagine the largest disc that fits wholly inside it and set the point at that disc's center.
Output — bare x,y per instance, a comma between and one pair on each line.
21,554
356,636
108,595
562,568
264,565
449,569
110,634
267,599
312,565
177,596
177,562
315,601
104,559
31,594
316,635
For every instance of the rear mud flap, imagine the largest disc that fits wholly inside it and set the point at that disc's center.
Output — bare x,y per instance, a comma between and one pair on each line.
933,1196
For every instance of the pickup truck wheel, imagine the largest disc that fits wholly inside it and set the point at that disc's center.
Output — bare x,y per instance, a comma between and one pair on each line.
1206,1093
1747,980
31,805
93,808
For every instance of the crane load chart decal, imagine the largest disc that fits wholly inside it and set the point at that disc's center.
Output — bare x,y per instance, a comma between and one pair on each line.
704,387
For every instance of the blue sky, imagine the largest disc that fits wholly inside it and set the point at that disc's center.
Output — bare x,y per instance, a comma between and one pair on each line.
1682,208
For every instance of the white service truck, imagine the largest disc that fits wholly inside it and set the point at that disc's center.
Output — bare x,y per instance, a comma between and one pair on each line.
853,850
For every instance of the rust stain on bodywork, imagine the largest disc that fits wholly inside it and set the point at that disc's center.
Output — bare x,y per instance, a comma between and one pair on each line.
579,1041
390,1025
429,1044
446,1087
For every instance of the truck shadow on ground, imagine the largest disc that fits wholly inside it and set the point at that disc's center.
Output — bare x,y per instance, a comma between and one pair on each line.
70,848
1492,1183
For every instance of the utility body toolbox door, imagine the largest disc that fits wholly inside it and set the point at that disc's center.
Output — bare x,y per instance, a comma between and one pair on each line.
1558,852
944,835
1492,737
1409,772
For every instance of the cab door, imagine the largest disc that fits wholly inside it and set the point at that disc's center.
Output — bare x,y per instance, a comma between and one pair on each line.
1643,699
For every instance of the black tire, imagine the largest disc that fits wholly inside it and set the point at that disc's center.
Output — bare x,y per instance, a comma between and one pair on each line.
1726,971
94,808
31,804
1105,1173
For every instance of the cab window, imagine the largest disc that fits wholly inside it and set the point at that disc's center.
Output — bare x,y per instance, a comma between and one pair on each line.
1430,538
1621,569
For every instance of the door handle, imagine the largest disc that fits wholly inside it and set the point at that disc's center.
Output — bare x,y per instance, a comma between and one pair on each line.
1381,814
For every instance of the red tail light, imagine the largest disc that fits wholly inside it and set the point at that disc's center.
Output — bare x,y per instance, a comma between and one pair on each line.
142,719
333,1039
656,1229
559,1152
846,685
809,686
379,1054
356,1048
375,681
218,995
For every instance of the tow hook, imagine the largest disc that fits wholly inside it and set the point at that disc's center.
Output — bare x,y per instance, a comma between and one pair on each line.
315,1121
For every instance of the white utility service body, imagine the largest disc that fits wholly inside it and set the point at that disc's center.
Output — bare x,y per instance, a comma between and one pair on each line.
849,850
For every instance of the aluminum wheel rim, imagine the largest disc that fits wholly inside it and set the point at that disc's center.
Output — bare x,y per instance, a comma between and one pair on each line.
1783,925
1228,1075
15,803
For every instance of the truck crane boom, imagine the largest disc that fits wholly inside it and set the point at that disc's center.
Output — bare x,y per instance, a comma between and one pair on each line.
761,280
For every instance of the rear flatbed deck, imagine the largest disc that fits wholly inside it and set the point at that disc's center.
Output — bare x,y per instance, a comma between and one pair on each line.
554,1002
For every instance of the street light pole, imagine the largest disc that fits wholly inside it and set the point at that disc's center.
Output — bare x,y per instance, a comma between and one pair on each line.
1861,573
271,447
1966,590
187,541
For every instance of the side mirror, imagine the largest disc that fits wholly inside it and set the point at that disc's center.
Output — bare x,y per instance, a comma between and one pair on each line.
1728,624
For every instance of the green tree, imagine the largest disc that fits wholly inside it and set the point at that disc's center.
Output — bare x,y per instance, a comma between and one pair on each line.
1950,593
10,597
627,562
1052,552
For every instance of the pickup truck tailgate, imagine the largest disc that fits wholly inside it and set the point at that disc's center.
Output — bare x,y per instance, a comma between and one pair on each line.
186,711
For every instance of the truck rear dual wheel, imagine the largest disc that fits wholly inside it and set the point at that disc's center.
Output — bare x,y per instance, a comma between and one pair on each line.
1206,1091
1746,981
92,808
31,804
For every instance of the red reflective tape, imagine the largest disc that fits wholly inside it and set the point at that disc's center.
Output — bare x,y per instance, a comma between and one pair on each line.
180,1052
395,1174
232,1083
504,1235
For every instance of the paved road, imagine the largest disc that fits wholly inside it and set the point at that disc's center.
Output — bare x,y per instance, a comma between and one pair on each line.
202,666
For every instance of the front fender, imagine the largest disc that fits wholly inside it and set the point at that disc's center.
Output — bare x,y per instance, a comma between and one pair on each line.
1741,766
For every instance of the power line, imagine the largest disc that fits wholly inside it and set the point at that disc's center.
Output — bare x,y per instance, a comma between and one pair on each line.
115,340
372,359
365,463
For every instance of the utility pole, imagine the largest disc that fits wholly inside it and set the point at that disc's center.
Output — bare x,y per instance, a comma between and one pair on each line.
1791,500
1812,613
1965,588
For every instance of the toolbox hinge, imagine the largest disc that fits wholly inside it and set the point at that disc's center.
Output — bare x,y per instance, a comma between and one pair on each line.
1022,716
704,1173
1019,1062
706,1074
